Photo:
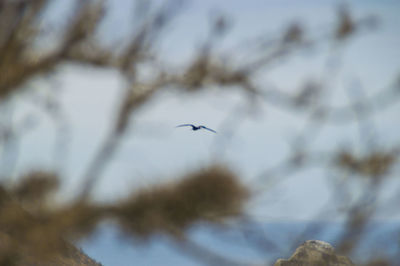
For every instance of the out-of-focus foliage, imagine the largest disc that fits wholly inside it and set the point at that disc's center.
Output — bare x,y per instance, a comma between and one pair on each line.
375,164
211,195
43,231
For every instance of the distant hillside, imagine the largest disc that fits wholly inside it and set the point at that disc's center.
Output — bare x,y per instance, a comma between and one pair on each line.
71,257
15,248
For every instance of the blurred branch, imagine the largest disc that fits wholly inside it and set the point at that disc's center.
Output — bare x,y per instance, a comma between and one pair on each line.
371,105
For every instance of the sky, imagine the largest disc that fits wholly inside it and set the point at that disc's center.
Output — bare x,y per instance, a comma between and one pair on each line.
155,151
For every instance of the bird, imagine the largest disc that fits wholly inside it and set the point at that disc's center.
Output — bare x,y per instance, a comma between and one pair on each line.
194,128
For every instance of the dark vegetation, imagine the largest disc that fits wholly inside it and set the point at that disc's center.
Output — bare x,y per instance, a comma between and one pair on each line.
33,230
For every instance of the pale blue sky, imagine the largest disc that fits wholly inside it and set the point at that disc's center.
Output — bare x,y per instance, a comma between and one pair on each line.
156,150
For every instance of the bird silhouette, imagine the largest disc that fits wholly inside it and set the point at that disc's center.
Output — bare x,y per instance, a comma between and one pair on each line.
194,128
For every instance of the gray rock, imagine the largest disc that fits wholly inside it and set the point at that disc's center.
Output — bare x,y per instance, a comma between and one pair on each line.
315,253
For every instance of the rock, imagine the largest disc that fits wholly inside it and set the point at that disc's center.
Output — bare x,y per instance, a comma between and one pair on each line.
315,253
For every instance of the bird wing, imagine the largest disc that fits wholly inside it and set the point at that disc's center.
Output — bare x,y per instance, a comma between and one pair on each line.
208,129
185,125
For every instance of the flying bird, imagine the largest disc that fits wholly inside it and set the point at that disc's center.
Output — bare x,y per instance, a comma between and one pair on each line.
194,128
